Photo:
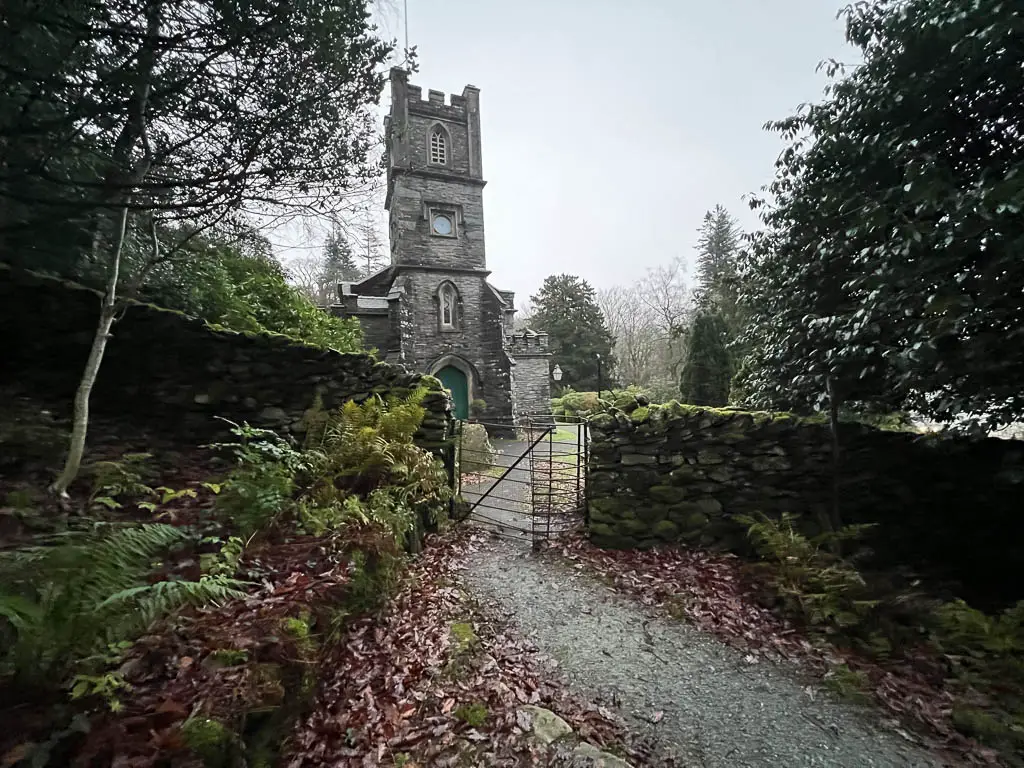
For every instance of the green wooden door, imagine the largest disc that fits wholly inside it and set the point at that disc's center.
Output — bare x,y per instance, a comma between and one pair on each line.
454,381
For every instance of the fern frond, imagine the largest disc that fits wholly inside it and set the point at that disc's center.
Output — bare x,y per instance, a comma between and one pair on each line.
142,605
18,611
53,593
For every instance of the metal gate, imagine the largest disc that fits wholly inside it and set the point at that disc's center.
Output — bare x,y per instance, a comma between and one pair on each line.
526,482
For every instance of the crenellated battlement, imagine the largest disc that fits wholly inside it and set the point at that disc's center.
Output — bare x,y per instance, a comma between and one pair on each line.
437,98
413,97
527,343
412,122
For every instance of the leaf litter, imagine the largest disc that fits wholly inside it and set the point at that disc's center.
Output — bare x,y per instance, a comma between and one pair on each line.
714,592
397,688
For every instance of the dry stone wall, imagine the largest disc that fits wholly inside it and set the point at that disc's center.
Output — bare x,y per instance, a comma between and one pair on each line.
182,373
675,473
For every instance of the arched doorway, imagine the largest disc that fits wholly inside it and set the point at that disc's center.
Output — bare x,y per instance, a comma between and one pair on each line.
455,382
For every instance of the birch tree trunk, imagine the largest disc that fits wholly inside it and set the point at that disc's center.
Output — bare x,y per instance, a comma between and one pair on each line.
122,179
108,309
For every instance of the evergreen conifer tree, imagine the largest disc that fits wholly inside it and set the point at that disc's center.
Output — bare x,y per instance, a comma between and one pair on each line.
708,369
566,309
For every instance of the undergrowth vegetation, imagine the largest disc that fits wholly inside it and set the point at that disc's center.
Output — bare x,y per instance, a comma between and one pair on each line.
980,656
811,581
358,493
68,599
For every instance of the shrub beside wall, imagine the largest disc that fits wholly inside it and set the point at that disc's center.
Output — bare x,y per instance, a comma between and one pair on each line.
677,473
181,372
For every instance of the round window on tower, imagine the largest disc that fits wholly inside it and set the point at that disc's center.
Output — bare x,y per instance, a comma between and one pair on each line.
442,224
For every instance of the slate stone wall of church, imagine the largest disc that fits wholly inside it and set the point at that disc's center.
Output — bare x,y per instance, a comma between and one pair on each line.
945,506
422,118
378,329
423,260
478,340
531,380
178,372
415,245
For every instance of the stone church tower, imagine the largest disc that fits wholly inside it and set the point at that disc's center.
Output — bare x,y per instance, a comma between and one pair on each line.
433,308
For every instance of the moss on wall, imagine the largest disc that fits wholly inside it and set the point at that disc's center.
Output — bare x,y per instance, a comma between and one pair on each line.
948,506
182,372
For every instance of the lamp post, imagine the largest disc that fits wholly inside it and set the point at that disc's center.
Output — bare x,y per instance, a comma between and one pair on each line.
556,374
598,377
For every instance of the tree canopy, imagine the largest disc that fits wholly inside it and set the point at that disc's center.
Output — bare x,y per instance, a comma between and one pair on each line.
138,126
890,260
339,261
566,309
239,284
188,110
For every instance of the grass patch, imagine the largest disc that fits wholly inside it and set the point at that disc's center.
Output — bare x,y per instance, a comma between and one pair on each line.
464,636
564,435
473,715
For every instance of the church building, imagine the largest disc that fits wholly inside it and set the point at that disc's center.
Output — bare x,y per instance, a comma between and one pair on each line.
433,308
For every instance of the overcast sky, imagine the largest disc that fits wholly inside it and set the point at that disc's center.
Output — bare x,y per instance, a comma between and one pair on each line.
610,126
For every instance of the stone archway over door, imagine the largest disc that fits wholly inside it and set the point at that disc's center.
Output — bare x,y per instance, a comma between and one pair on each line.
455,382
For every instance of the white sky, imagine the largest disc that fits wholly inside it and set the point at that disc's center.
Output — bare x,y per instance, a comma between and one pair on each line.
610,127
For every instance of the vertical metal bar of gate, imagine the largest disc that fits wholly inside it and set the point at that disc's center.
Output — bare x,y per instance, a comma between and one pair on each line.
580,441
535,532
549,468
458,460
585,500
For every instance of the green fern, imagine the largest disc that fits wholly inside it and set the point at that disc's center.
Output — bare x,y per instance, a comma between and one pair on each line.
260,488
367,452
66,600
142,605
360,465
813,583
254,496
122,477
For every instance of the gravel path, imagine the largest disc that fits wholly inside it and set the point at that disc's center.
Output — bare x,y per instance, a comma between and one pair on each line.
719,709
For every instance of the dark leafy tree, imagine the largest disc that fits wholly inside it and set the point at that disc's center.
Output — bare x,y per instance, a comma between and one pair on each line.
137,118
239,284
889,266
566,309
707,371
370,252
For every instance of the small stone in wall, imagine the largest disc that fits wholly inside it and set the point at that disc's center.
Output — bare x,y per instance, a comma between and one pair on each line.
710,505
633,459
273,415
709,457
771,464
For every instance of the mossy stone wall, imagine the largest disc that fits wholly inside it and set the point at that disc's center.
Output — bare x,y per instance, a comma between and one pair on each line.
181,372
674,473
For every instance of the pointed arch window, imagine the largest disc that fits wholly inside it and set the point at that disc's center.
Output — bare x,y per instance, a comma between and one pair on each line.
448,307
438,146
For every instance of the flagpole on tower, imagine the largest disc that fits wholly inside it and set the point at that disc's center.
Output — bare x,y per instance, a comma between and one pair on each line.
405,18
